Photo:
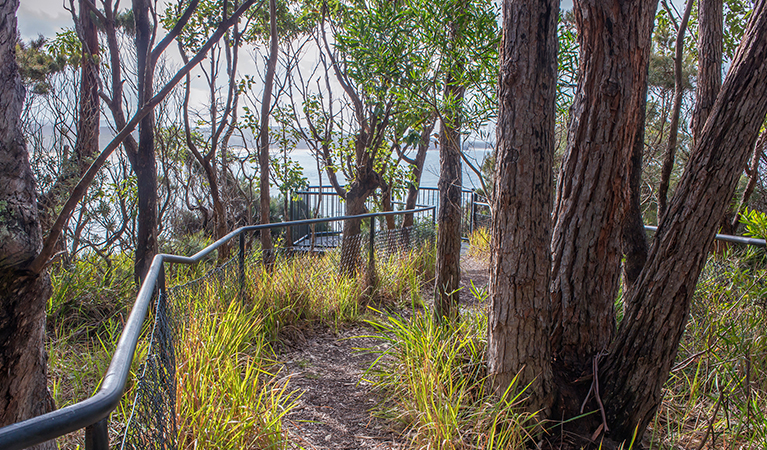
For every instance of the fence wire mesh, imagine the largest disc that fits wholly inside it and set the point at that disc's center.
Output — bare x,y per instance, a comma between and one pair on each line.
314,262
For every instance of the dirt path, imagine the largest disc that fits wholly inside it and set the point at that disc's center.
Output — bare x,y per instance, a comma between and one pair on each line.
327,365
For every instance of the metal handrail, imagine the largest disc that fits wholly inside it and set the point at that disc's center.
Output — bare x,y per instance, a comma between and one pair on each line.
727,238
91,411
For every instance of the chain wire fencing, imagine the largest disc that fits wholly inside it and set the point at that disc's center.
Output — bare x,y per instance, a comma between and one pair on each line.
313,262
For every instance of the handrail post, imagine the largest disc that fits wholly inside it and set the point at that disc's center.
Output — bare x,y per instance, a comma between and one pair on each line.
241,258
371,262
97,435
473,211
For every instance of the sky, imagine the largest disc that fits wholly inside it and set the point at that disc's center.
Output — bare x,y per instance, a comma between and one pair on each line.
46,17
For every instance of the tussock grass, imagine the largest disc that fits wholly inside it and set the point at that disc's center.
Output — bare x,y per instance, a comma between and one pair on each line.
716,396
227,395
435,375
230,392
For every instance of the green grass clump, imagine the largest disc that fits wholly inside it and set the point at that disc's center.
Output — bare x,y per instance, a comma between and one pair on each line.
436,375
226,395
479,244
308,288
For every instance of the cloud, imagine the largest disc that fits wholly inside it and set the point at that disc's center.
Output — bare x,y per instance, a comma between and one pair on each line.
45,17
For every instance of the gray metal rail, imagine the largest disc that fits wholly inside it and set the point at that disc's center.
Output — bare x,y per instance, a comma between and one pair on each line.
727,238
92,413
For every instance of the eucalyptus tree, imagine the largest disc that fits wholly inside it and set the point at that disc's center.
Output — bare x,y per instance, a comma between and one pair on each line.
464,37
373,55
607,381
523,204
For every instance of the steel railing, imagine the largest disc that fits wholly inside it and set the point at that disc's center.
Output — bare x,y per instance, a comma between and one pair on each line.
93,412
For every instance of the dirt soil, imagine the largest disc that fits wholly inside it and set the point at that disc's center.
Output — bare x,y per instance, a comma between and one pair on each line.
327,365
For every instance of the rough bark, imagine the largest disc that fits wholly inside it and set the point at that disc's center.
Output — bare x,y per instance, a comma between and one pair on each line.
710,20
593,185
520,316
263,145
23,389
448,270
676,109
146,165
639,360
633,237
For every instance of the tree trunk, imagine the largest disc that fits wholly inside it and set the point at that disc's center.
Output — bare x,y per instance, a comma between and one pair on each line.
710,19
263,155
87,139
413,188
146,165
519,281
420,159
593,187
640,359
448,270
676,109
358,193
23,372
753,179
633,236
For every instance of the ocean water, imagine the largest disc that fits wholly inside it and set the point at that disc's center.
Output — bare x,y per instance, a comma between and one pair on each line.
429,177
303,156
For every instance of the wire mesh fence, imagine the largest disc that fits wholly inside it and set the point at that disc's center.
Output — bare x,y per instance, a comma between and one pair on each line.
314,265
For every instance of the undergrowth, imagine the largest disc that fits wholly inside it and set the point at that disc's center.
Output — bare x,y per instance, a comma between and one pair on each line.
716,396
230,392
435,375
227,393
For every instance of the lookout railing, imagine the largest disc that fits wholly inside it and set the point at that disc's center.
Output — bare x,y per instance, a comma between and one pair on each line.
325,202
156,315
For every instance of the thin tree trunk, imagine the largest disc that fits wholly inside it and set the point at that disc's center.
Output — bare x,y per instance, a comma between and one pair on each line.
146,165
640,359
633,237
519,280
23,372
448,270
593,187
263,155
420,159
753,179
676,109
87,139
